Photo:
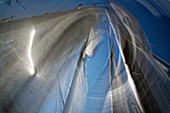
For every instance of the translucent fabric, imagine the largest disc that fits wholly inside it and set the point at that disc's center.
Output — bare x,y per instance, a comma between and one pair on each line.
44,61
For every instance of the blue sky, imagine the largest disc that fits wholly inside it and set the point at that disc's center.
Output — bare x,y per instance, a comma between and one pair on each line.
157,30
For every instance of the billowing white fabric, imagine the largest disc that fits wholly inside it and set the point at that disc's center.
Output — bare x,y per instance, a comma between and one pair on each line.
43,62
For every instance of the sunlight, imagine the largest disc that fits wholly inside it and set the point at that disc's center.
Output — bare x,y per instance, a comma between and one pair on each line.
32,71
